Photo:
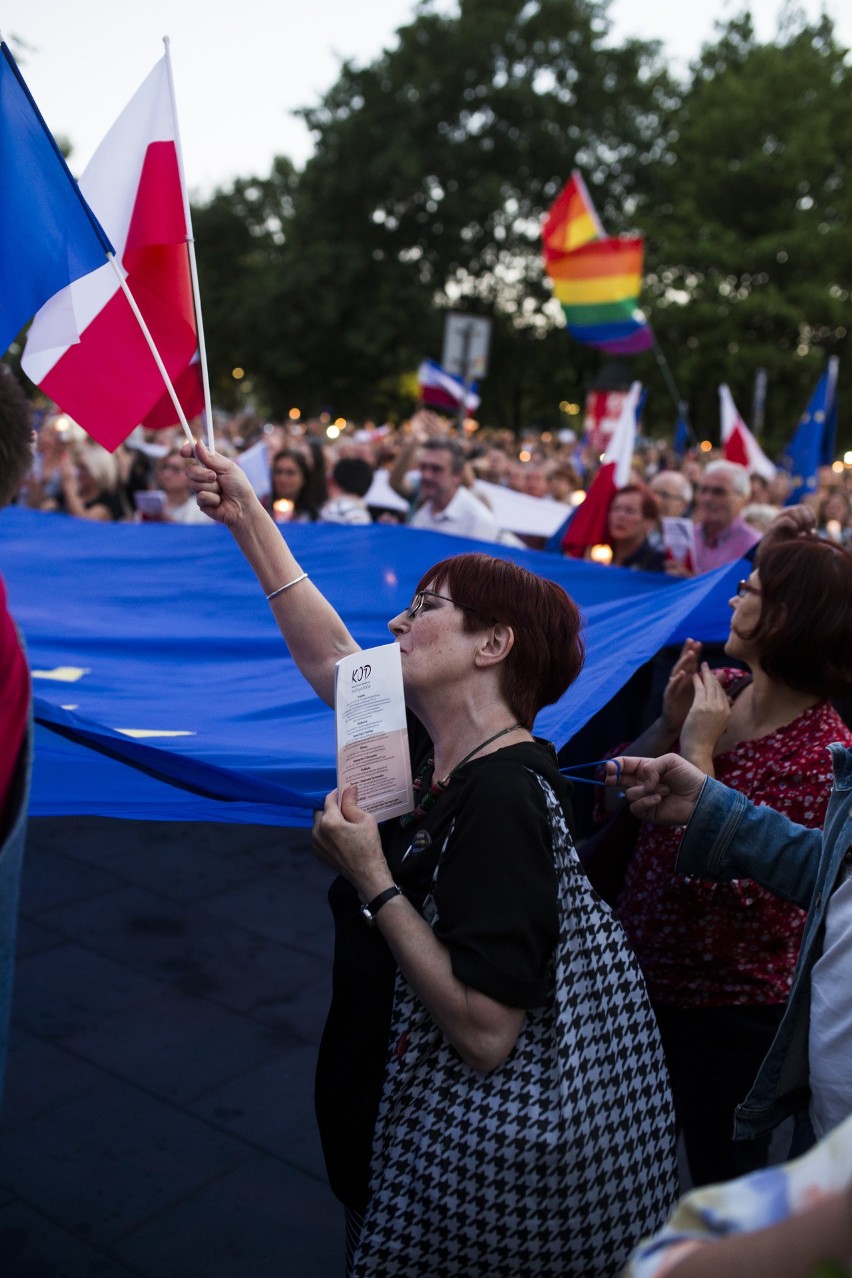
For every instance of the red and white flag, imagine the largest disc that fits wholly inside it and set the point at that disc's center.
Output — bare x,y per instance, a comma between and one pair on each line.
85,348
589,525
738,443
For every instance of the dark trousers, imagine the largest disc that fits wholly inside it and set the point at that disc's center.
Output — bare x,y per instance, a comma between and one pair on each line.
713,1054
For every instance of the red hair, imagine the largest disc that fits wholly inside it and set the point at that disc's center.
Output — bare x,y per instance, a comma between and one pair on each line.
548,651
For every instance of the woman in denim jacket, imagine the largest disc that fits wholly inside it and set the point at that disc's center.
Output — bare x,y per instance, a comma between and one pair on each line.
728,837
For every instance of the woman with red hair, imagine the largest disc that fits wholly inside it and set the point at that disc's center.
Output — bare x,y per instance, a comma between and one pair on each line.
490,1089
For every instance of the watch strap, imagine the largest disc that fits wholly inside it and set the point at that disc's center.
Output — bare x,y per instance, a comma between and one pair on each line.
371,909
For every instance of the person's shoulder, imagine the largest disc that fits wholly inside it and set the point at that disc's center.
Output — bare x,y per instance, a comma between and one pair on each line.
831,725
514,773
744,534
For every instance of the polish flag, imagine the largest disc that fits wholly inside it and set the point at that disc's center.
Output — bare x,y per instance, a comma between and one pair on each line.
738,443
589,525
106,378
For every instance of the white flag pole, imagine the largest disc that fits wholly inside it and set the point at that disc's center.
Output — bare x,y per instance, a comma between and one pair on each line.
131,300
193,265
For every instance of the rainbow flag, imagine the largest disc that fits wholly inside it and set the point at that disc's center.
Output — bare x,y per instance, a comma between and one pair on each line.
596,279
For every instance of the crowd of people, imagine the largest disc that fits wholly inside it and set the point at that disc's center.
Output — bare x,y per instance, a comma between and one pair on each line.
508,1060
427,475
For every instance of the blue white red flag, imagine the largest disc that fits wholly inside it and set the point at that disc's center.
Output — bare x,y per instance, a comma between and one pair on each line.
48,234
440,389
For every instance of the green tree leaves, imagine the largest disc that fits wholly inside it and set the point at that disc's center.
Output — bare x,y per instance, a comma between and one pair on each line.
434,165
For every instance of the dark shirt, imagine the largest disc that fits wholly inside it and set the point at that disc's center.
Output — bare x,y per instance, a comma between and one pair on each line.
497,915
647,558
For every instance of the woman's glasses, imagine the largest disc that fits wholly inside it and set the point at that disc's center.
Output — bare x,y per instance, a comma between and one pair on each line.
420,599
746,588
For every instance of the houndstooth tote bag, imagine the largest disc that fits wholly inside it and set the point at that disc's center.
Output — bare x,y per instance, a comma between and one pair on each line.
555,1163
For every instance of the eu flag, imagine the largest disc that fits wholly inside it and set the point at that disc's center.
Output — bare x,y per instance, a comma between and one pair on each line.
813,444
48,234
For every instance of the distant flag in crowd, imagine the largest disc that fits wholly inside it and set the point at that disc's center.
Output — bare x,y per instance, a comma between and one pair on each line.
440,389
682,432
738,443
588,526
597,279
108,380
48,234
813,444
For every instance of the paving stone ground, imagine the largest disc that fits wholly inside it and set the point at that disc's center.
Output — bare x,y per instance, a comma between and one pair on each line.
158,1121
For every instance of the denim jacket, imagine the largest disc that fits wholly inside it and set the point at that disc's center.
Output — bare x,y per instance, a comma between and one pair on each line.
727,838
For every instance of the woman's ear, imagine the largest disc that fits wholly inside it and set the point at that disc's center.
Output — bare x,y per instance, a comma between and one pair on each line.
495,645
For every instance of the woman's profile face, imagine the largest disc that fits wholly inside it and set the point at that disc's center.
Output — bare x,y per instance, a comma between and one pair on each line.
434,646
287,479
746,605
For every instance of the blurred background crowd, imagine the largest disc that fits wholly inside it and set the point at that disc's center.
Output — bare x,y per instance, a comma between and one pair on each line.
524,485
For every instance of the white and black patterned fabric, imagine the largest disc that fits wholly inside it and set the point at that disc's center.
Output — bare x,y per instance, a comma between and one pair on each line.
557,1162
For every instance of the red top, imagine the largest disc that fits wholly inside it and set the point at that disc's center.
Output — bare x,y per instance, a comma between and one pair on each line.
703,944
14,702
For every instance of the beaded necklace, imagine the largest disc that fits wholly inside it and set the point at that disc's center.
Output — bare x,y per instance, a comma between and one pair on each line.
426,799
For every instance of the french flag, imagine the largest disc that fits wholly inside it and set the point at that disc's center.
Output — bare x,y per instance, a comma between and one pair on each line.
106,377
738,443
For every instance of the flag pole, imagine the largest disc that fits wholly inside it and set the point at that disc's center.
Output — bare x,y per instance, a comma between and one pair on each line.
671,387
193,265
146,332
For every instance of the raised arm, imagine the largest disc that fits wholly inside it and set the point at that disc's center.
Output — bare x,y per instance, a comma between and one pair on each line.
312,630
726,836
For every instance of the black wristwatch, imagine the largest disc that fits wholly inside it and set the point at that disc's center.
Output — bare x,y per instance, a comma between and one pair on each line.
371,909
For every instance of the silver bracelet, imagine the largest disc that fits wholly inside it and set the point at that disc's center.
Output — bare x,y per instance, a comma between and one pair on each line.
280,591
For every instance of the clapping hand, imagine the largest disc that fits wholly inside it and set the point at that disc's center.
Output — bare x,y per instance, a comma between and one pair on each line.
706,721
679,691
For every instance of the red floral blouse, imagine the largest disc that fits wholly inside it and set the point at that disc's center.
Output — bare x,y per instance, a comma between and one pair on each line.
703,944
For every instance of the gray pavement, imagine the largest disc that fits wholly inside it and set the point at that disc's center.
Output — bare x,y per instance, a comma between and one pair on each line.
158,1113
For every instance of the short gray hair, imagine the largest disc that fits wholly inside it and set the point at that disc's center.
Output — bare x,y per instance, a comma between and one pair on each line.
738,475
679,478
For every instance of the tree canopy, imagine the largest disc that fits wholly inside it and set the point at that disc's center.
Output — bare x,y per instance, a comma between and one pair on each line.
434,165
749,221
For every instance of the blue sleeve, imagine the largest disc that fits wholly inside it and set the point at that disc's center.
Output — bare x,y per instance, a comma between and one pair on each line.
730,838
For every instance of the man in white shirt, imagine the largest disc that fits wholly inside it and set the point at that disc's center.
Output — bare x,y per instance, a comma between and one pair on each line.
444,505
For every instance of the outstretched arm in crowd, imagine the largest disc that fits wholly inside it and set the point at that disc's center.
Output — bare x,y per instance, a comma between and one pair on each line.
663,791
661,735
312,630
424,425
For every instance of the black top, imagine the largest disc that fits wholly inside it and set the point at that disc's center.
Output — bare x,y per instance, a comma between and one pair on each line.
496,913
111,499
647,558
